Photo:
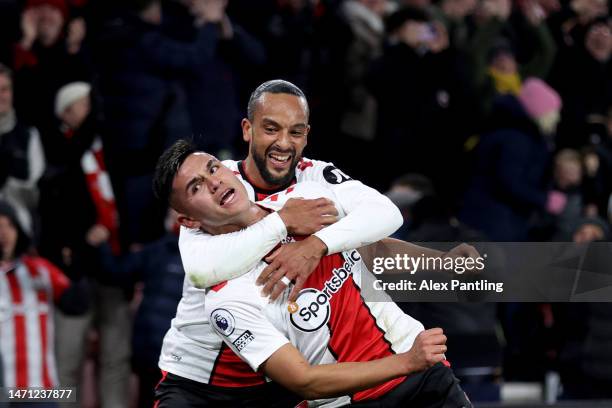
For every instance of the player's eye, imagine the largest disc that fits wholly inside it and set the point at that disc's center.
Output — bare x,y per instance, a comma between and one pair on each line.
196,187
269,129
213,169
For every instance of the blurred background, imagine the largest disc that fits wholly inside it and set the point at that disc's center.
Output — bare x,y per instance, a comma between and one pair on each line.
483,120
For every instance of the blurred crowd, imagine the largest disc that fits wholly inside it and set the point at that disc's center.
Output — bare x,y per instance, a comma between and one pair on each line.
483,119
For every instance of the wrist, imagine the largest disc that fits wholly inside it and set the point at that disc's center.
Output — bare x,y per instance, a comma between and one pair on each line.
286,220
402,364
318,246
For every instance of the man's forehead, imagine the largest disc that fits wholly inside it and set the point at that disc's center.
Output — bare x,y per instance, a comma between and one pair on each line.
190,167
270,105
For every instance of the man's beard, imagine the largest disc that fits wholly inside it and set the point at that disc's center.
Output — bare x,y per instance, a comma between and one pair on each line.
269,178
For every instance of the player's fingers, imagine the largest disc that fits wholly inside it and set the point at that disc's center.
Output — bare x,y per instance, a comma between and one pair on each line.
329,209
274,254
435,330
321,202
438,349
277,290
273,279
436,339
268,270
297,287
436,358
328,220
281,285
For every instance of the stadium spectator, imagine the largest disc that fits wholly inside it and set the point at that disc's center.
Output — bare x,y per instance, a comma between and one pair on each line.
590,97
351,36
30,286
43,62
570,18
509,184
598,165
158,267
497,48
288,37
214,91
22,160
453,14
567,178
78,189
420,90
139,67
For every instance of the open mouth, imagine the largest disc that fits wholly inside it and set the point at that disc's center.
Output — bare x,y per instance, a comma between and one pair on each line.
227,197
279,159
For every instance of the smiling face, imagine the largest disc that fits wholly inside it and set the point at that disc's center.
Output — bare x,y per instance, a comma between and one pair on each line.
277,137
208,195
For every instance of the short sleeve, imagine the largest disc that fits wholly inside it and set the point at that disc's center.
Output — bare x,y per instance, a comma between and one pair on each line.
237,316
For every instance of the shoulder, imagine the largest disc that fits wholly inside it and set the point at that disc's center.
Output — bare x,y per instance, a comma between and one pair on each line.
320,171
231,164
239,296
188,234
38,262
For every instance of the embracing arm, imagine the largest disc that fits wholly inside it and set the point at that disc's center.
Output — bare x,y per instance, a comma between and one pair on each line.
370,216
209,260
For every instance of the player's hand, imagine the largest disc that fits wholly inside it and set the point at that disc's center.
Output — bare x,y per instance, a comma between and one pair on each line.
305,217
295,261
428,349
463,251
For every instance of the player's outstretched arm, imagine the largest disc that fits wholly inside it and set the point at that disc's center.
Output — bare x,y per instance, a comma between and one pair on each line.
209,260
289,368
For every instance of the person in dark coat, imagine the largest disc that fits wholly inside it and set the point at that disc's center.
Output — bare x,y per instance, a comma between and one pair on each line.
583,76
159,267
143,110
214,93
510,180
420,91
77,206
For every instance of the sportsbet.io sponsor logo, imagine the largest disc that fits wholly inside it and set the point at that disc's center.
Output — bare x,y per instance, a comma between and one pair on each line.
223,321
314,308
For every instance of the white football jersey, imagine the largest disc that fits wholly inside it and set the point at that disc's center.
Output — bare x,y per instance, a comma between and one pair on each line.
333,322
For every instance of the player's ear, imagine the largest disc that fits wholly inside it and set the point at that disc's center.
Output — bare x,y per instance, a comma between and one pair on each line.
306,133
185,221
247,128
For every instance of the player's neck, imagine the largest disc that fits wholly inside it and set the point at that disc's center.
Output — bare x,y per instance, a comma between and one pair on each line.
255,178
246,219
